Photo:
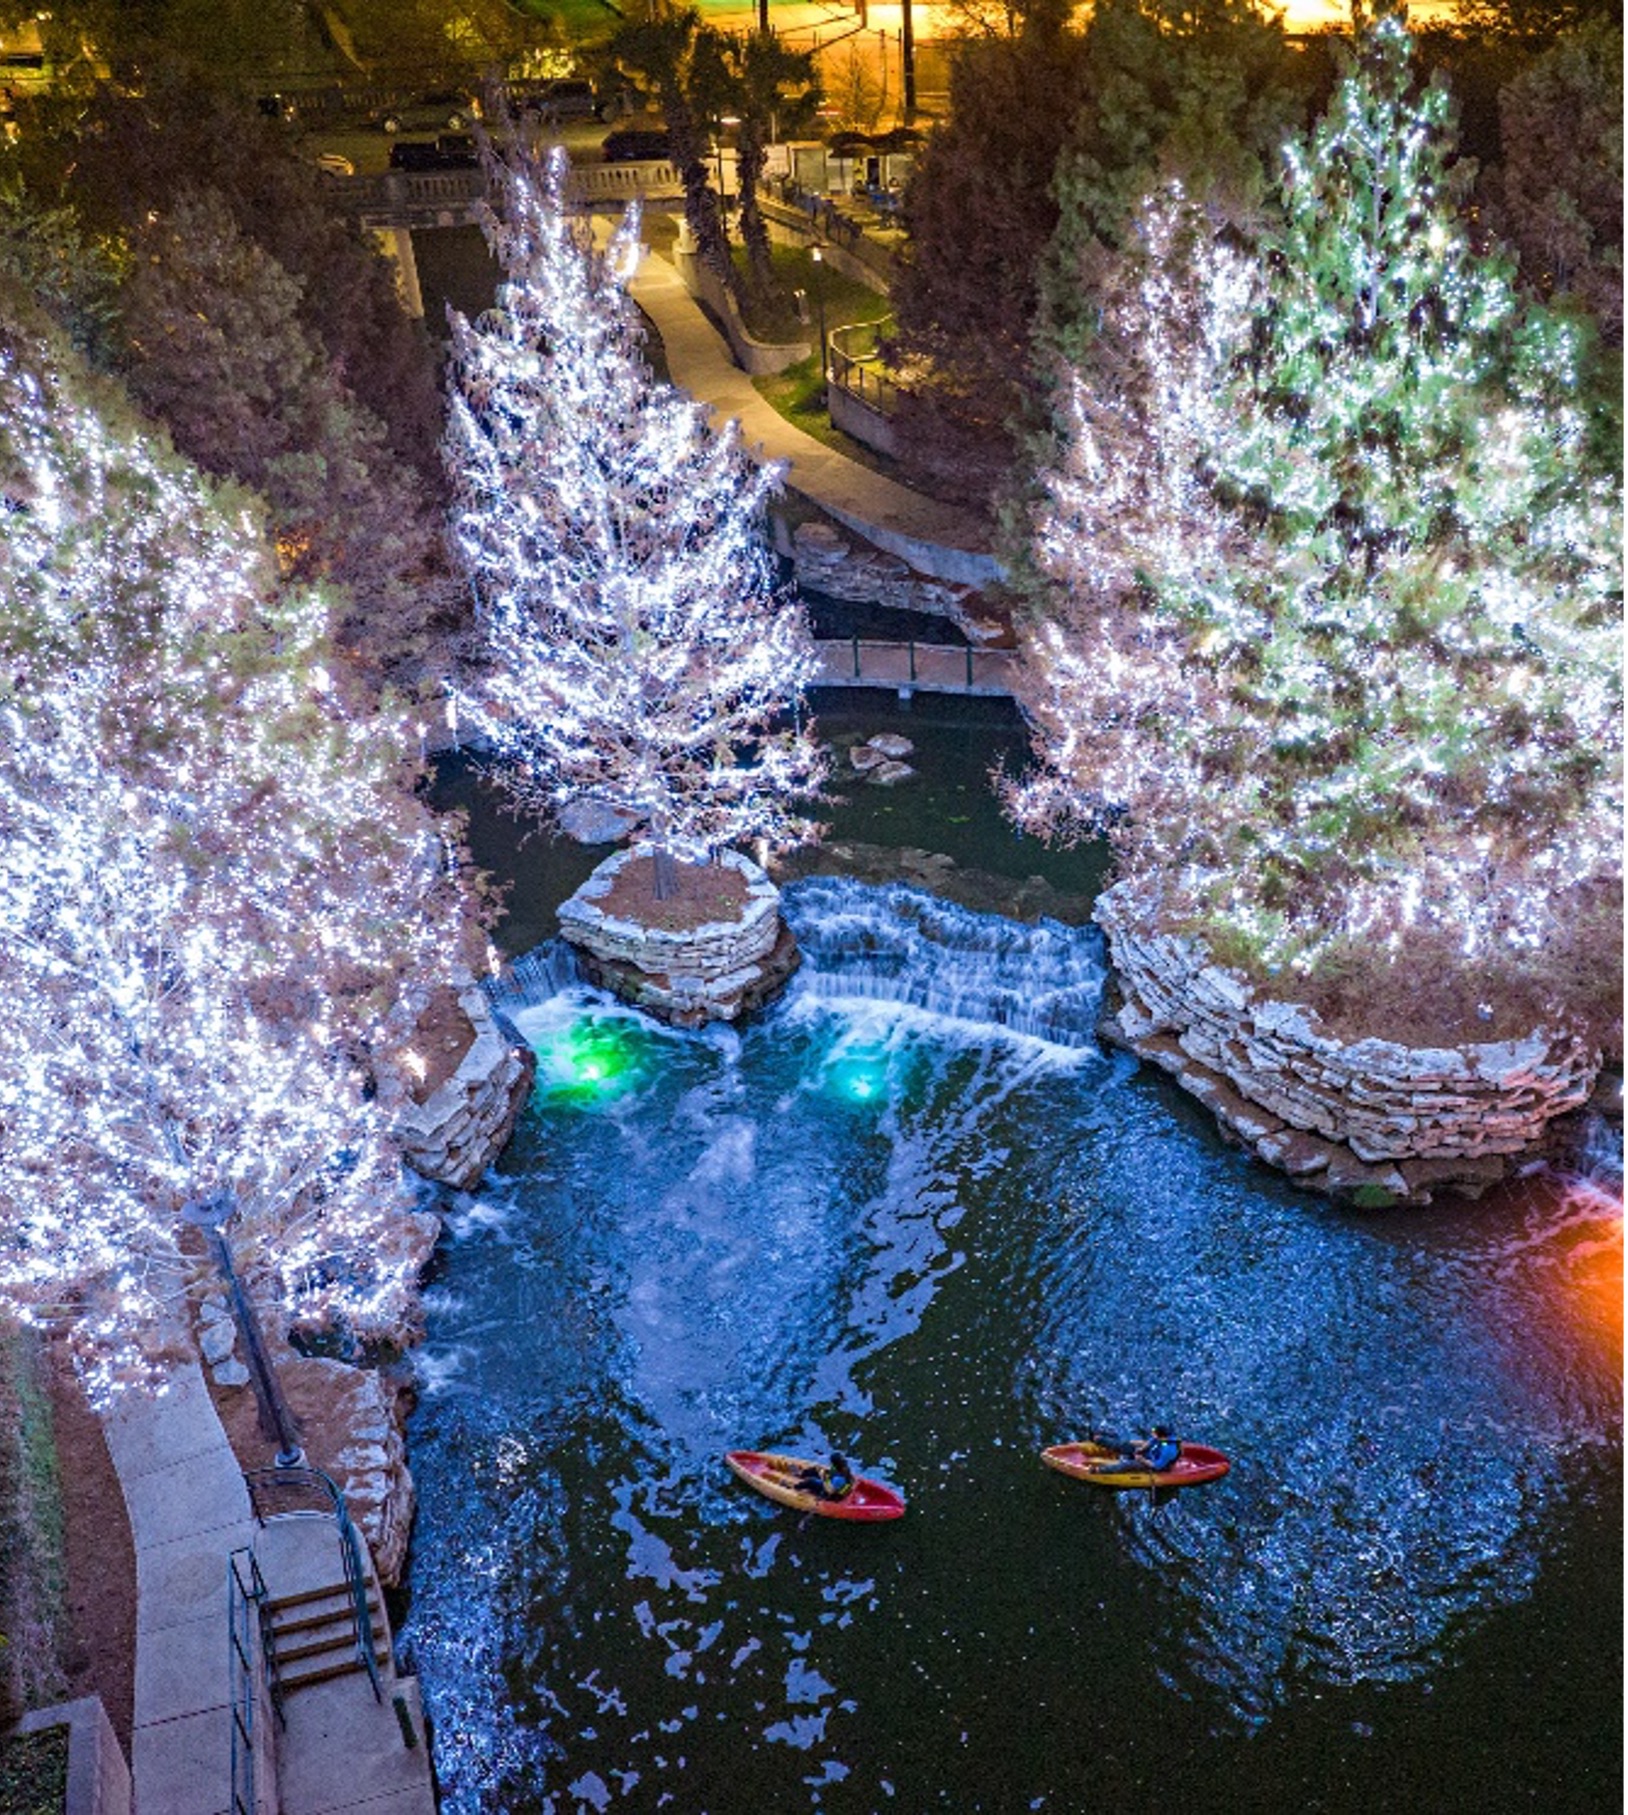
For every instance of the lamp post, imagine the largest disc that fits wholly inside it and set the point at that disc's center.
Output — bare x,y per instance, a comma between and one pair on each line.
817,257
907,61
277,1424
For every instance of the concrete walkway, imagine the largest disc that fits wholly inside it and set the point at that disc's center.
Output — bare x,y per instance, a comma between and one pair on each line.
189,1510
934,538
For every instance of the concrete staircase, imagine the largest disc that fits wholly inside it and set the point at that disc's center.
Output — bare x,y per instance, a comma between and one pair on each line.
340,1749
313,1636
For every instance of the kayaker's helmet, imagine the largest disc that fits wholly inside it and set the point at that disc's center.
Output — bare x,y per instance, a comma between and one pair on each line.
1161,1430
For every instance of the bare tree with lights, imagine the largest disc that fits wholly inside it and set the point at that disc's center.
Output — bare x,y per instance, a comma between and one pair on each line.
216,896
640,652
1335,554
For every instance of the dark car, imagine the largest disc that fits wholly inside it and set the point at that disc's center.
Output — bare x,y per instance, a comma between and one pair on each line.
452,151
570,98
638,145
447,108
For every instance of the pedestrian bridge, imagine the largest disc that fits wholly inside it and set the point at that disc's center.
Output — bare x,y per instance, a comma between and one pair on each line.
912,667
409,199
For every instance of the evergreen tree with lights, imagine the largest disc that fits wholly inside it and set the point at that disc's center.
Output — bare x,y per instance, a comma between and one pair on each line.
640,654
218,899
1334,556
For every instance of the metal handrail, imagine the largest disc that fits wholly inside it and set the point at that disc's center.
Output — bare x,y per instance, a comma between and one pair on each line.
241,1632
313,1480
928,666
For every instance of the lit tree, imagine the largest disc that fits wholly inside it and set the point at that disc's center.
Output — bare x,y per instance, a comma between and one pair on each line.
640,653
1332,646
213,888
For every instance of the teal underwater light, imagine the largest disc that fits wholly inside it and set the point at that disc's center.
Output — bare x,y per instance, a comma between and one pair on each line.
858,1074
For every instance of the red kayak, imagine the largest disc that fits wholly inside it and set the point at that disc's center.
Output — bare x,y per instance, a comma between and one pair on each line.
777,1477
1106,1465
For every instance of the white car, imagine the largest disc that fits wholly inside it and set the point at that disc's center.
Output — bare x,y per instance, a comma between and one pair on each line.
335,163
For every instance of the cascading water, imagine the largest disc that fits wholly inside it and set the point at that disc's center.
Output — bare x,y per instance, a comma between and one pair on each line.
914,1213
898,944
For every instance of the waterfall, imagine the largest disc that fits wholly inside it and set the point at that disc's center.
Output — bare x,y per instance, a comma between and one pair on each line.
544,972
894,943
1596,1156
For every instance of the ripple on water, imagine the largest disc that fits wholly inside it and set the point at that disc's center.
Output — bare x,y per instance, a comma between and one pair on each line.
939,1245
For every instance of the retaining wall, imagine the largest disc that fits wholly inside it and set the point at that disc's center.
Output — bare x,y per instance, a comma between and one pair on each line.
1369,1120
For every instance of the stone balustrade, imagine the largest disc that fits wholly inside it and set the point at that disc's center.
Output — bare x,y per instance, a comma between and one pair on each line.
1367,1120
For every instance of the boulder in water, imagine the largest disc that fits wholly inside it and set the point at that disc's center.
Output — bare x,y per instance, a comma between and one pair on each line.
866,757
890,774
892,745
595,821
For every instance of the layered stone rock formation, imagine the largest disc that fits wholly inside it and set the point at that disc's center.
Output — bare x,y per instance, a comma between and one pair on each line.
691,975
825,561
464,1123
1369,1121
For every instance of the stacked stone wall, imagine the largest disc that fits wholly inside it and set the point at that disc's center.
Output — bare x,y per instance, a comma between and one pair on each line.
463,1126
689,976
827,562
1369,1120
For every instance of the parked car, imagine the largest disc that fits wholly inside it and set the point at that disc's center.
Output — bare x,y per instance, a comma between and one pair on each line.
448,108
637,145
335,163
451,151
570,98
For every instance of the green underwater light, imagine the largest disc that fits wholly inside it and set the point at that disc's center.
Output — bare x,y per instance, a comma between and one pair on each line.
590,1059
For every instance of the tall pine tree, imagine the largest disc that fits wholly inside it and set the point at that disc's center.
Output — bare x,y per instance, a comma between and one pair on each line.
1335,554
640,653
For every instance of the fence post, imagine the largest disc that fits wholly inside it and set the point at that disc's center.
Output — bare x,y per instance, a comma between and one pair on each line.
912,661
856,655
969,668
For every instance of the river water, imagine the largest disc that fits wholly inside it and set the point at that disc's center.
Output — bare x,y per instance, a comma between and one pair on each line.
913,1212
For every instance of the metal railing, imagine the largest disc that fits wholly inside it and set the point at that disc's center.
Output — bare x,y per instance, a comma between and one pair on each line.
266,1483
911,666
854,365
245,1605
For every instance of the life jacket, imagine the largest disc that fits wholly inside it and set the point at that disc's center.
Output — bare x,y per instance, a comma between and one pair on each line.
1161,1452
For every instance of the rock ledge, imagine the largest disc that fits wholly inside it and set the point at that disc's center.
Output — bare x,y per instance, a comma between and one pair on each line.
689,976
1370,1122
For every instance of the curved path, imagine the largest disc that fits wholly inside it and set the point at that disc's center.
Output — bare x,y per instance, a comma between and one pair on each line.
938,539
189,1510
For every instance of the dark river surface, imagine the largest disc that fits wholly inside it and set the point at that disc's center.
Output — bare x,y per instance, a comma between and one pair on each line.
914,1212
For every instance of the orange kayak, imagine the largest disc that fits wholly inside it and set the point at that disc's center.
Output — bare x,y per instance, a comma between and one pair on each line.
777,1476
1105,1465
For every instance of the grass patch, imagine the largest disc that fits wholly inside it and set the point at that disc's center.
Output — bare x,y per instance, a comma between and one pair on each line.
774,318
32,1575
798,394
34,1773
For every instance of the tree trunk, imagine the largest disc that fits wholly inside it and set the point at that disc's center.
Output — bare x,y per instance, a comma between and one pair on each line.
751,157
664,873
702,207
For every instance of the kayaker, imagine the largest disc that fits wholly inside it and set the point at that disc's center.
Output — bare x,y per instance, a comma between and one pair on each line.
839,1477
835,1481
1161,1449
